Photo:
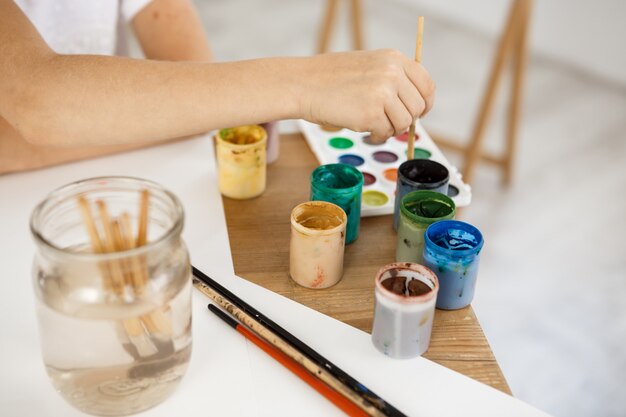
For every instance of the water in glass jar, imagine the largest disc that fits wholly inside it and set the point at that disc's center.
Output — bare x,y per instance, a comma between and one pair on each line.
116,366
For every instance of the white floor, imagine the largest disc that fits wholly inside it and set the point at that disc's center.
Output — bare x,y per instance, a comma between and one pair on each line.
552,281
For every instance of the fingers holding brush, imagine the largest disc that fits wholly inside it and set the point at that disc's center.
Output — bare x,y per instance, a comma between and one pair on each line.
413,101
399,116
382,129
418,89
422,82
365,91
413,98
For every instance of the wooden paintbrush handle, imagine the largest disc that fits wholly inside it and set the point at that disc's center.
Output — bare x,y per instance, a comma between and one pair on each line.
418,58
288,350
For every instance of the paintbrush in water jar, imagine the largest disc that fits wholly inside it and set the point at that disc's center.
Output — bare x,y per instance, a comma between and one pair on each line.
113,283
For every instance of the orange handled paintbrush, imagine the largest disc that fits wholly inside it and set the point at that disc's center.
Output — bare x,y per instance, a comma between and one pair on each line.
340,401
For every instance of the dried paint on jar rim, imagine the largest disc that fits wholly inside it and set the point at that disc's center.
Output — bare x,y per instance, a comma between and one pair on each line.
396,268
242,137
305,212
441,206
337,178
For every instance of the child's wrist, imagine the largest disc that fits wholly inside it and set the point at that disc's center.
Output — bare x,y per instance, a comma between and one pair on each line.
298,88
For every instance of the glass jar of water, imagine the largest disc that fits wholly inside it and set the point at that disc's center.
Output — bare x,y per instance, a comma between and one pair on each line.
113,292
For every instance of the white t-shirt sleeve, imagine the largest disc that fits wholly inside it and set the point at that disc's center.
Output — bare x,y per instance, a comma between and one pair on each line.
130,8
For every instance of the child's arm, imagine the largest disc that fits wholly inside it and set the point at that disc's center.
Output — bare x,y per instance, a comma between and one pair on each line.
68,100
170,30
167,30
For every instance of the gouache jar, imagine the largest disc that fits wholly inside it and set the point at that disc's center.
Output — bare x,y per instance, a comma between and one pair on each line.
241,161
273,141
318,231
419,174
452,249
418,210
114,325
405,295
340,184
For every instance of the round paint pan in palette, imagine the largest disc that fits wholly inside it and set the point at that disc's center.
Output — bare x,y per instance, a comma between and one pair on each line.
384,157
420,153
385,174
391,175
367,139
405,137
368,179
374,198
340,143
351,159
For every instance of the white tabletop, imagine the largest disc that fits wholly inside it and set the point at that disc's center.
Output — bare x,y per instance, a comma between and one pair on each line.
227,375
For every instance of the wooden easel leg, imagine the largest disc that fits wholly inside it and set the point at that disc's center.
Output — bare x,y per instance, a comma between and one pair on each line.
474,147
357,24
327,26
519,69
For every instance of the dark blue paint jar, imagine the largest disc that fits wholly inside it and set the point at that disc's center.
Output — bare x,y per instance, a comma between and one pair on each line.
419,174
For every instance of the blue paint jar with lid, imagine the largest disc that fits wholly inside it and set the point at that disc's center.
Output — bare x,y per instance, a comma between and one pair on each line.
452,250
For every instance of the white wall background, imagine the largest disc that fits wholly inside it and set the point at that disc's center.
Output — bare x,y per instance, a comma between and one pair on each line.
590,35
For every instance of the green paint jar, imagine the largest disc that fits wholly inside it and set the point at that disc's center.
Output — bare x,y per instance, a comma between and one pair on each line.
418,210
340,184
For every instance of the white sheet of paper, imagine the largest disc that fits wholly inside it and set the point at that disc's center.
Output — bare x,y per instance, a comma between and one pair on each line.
227,374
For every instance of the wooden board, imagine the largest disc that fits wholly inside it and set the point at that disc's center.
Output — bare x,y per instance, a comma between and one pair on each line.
259,231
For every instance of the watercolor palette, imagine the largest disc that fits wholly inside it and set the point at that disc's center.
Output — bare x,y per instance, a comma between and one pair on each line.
379,162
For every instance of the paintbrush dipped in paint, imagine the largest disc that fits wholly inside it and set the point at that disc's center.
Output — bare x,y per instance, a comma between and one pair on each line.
418,59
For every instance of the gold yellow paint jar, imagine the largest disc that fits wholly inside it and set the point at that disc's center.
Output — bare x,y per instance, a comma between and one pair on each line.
241,161
318,234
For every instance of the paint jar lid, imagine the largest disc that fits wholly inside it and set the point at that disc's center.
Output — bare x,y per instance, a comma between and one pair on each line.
426,207
453,239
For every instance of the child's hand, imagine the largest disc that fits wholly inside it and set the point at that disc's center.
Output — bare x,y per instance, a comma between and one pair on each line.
379,91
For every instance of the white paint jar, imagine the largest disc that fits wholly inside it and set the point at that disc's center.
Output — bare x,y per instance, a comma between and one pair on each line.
405,295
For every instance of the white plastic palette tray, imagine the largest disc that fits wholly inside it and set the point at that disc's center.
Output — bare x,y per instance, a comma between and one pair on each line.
379,163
